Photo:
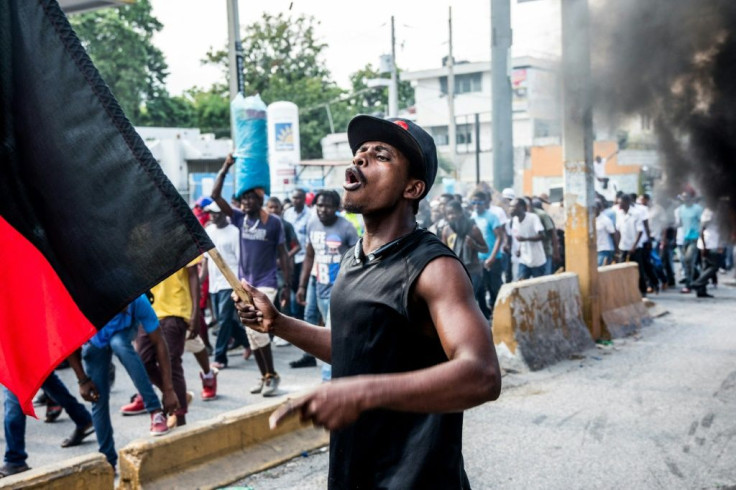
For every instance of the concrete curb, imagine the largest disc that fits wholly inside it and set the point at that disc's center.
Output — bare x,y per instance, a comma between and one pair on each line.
539,322
216,452
622,310
89,472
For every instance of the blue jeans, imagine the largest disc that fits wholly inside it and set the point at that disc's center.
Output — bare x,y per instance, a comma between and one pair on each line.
97,364
688,260
548,267
311,310
15,419
605,257
317,308
493,281
525,272
479,291
229,324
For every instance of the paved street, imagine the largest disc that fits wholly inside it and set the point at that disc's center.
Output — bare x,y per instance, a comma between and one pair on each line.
654,411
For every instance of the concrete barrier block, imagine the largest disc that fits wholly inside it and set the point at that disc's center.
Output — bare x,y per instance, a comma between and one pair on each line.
622,310
216,452
539,321
89,472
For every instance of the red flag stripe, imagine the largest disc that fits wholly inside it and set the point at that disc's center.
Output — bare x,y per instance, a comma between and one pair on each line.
40,325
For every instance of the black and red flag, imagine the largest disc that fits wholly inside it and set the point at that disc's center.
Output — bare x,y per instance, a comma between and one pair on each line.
88,221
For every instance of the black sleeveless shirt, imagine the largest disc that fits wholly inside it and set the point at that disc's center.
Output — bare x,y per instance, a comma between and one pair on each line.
373,333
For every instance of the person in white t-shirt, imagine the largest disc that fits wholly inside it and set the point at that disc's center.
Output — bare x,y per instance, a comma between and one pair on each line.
641,205
528,230
604,231
712,248
226,239
629,230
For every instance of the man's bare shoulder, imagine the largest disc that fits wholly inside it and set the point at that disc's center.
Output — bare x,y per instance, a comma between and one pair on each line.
443,276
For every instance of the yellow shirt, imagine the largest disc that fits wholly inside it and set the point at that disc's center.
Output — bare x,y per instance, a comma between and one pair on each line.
172,296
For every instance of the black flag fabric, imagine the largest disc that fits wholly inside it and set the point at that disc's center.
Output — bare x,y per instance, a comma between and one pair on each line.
88,221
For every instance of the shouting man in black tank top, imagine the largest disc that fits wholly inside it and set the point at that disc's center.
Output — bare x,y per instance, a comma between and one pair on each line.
409,347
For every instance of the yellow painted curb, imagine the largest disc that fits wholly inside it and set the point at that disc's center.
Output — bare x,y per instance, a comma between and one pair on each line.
89,472
216,452
622,310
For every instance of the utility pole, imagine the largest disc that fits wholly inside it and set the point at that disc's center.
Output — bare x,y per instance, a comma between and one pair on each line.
477,148
235,49
329,118
393,89
577,147
452,128
501,111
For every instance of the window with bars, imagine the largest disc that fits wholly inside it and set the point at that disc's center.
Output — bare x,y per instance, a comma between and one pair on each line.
464,84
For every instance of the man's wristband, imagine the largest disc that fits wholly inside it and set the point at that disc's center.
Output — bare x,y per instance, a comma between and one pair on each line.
84,380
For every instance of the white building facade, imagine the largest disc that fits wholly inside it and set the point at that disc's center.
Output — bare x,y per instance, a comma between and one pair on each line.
536,111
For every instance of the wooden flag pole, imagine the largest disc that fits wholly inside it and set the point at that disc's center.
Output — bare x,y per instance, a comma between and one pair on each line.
230,276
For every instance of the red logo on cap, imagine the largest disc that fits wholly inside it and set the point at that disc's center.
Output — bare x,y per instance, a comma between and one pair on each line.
402,124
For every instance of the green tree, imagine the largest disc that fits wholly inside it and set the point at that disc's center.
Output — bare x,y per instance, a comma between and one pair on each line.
212,109
119,41
283,61
166,111
370,100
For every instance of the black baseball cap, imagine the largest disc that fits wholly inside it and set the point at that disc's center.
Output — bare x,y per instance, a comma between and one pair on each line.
405,135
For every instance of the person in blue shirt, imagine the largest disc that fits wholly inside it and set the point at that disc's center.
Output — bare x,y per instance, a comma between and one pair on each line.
94,386
688,217
493,233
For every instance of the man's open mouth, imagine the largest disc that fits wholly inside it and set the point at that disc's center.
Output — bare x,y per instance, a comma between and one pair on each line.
353,179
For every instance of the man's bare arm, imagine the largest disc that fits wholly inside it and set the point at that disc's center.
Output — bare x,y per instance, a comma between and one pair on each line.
499,233
479,243
285,264
471,375
87,389
219,182
194,293
301,293
264,317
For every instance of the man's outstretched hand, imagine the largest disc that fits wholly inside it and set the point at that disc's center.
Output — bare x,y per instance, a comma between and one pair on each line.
333,405
262,315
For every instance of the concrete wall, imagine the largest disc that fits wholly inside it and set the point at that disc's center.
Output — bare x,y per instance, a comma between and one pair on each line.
622,310
539,321
216,452
89,472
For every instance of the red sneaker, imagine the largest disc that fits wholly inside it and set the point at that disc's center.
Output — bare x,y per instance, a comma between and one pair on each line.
135,407
209,386
158,424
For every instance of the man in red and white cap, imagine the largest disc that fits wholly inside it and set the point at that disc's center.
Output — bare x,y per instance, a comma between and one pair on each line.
409,346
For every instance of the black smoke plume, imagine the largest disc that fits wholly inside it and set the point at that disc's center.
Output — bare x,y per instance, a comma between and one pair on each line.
675,61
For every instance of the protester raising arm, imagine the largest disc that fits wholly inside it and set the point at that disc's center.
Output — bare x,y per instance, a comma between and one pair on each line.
219,182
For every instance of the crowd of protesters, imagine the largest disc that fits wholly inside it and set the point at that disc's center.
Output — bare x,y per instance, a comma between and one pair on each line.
637,229
502,237
291,250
